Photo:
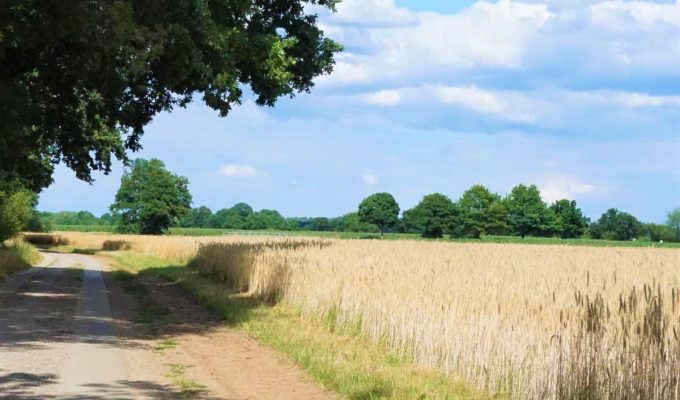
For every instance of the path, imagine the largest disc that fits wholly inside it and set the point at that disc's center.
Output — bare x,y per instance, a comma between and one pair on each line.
68,332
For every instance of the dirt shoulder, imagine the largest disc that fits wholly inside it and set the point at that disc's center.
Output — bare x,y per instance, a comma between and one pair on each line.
181,344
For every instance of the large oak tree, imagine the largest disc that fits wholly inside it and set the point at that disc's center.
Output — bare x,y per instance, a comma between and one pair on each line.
80,79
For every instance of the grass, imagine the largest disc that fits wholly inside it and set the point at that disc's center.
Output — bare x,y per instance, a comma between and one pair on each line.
16,255
340,359
188,388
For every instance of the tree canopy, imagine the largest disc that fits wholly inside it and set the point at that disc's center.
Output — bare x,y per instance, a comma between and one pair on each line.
16,210
150,198
433,216
527,213
570,222
80,79
380,209
616,225
481,213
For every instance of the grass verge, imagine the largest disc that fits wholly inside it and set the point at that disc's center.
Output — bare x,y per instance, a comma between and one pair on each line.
15,256
337,358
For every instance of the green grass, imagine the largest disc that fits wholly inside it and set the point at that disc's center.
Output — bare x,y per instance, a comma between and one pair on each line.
337,357
15,256
188,388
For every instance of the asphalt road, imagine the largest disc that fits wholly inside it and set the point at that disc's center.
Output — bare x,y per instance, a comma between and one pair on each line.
57,336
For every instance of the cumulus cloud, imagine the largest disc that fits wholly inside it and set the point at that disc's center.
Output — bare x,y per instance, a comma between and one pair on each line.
238,171
505,105
383,98
370,179
546,38
559,188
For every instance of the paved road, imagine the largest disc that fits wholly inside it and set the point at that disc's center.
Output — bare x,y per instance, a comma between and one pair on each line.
57,337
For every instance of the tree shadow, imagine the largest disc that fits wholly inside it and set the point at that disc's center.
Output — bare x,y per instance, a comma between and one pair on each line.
37,311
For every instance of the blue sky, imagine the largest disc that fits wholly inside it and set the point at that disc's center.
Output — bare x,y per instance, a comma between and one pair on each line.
581,98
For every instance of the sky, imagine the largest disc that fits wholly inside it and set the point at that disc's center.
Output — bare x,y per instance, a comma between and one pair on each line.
580,97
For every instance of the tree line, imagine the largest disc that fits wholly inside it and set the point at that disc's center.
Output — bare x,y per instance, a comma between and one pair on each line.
522,213
151,199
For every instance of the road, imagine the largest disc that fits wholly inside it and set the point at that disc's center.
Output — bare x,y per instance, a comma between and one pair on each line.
57,339
68,331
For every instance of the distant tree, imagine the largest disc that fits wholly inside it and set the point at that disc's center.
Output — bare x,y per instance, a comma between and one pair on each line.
80,80
527,213
352,223
379,209
481,212
616,225
150,198
570,222
109,219
235,217
658,232
266,220
73,218
320,224
673,221
200,217
433,217
16,209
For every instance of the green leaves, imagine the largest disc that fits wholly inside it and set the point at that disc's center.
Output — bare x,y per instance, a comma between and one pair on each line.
150,198
379,209
81,79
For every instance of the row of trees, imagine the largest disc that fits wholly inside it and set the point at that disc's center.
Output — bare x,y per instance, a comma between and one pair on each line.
151,199
522,212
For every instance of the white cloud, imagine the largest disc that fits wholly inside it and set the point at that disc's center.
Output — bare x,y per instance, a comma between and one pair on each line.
370,179
377,13
503,104
238,171
383,98
558,188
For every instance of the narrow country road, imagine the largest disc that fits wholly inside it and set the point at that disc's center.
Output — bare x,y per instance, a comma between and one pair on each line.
57,336
69,331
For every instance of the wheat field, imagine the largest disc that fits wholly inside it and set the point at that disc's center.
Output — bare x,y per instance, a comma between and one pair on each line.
523,322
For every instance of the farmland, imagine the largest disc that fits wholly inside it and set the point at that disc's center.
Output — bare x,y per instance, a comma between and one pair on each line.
520,322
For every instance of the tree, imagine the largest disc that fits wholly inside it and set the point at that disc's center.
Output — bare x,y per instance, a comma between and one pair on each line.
81,79
235,217
320,224
266,219
659,232
201,217
481,213
432,217
150,198
616,225
673,221
570,221
527,213
352,223
16,209
379,209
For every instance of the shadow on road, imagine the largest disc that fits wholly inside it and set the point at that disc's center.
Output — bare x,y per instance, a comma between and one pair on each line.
37,313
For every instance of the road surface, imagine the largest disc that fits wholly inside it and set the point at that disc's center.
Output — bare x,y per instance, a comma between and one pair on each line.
68,331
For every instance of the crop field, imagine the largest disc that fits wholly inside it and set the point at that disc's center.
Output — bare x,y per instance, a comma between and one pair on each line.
522,322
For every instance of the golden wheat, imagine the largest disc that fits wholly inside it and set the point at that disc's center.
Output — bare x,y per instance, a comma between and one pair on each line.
527,322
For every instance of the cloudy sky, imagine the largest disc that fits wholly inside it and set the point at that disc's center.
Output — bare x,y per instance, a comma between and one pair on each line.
581,98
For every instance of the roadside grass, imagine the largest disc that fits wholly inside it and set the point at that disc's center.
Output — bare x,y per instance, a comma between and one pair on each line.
16,255
188,389
336,357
